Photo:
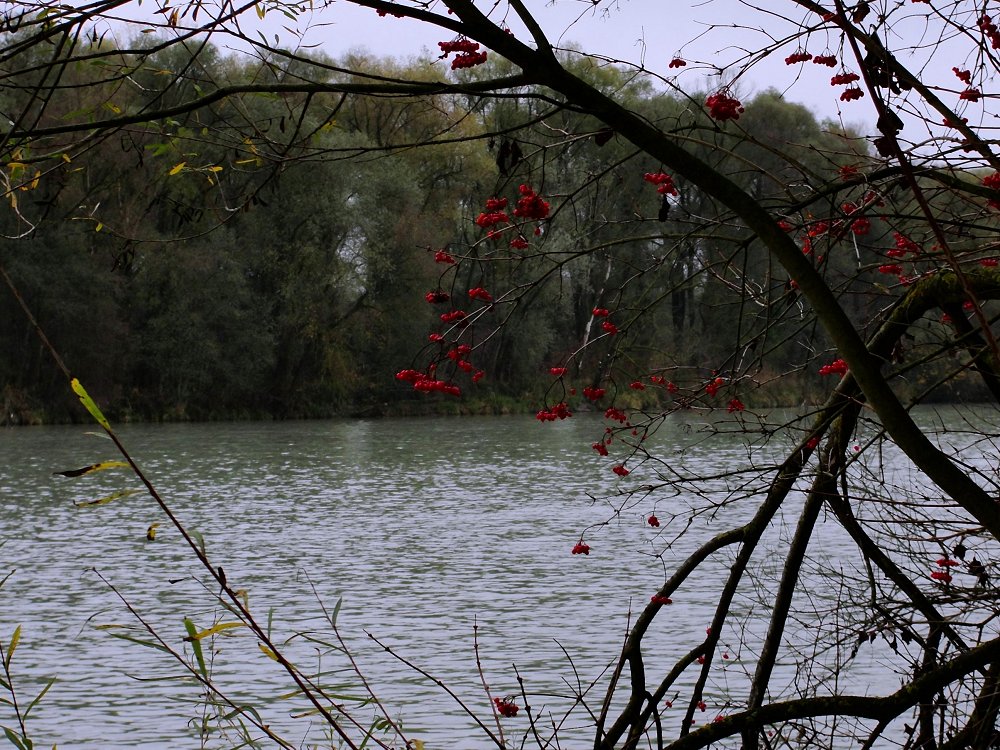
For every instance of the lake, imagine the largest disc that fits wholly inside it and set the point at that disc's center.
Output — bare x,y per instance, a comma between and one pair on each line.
422,528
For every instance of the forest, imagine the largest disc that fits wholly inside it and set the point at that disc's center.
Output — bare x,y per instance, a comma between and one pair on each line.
192,269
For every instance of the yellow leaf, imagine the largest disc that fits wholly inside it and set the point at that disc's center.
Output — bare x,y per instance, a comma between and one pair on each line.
214,630
242,594
260,10
99,227
92,468
14,639
89,404
65,158
151,532
215,169
267,652
118,495
177,168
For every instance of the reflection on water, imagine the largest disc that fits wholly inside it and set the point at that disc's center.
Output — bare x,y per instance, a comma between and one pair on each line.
423,527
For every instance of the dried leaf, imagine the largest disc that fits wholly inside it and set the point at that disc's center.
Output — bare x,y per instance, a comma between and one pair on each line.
104,465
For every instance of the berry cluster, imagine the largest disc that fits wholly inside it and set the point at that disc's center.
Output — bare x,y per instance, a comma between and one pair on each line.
530,205
559,411
842,79
614,414
468,54
486,220
460,45
904,244
837,367
506,707
965,76
992,181
990,30
723,107
427,383
664,182
468,60
714,385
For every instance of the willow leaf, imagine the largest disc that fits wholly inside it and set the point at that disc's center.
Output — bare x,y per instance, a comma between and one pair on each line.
118,495
89,404
131,638
192,631
14,640
103,466
14,739
222,626
37,698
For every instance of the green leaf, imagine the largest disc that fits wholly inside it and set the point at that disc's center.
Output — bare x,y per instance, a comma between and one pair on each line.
50,683
103,466
14,639
14,739
200,539
118,495
131,638
192,632
89,404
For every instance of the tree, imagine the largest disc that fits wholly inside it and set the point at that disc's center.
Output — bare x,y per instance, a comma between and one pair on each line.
641,221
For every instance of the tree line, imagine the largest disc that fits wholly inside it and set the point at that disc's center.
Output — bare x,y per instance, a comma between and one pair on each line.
269,256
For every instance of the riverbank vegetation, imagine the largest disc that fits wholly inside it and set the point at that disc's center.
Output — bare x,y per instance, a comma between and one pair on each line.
268,256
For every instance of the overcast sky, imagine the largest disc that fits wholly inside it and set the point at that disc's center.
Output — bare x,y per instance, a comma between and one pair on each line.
649,32
710,35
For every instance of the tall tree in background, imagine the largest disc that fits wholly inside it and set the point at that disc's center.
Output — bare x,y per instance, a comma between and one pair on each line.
636,216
